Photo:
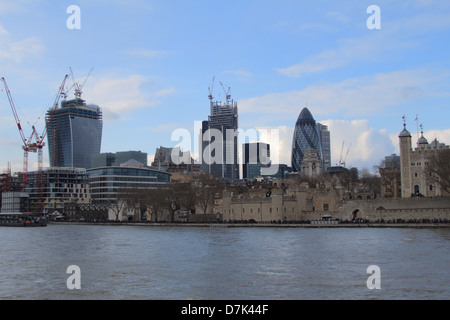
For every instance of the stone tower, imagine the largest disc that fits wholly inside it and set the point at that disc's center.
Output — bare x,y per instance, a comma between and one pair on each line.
405,162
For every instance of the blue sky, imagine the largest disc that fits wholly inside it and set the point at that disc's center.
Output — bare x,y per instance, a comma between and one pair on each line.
153,62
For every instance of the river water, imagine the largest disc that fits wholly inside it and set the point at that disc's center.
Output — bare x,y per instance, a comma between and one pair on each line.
202,263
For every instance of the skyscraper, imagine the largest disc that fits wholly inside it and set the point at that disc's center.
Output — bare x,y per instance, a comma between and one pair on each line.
324,135
306,136
74,134
256,155
220,141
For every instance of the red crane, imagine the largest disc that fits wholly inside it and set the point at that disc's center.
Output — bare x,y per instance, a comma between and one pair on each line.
35,143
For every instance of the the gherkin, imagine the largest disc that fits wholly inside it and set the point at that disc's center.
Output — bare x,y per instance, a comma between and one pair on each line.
306,136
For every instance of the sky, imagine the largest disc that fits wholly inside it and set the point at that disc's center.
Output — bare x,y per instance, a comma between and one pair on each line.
149,66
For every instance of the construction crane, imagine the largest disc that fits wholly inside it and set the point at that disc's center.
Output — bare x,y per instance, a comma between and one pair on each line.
35,143
227,93
342,159
210,89
78,86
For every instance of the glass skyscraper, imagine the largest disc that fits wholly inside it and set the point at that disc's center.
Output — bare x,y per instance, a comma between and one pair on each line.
74,134
306,136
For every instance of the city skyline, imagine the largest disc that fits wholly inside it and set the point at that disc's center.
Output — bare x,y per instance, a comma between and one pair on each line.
276,57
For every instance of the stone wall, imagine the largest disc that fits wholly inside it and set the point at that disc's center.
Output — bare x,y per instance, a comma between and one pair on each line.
308,205
394,209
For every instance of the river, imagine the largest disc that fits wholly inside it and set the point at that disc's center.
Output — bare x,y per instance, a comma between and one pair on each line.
201,263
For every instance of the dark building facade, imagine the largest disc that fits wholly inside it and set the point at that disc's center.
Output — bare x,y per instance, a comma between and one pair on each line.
256,155
116,159
74,134
220,150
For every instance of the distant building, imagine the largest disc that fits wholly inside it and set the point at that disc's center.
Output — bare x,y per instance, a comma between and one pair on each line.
74,134
220,154
311,165
306,136
15,202
59,185
256,155
415,175
163,161
107,182
116,159
325,143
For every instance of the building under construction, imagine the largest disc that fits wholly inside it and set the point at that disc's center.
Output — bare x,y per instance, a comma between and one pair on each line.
74,134
221,161
59,185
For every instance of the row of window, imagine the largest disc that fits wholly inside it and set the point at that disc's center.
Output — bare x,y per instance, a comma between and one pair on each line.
325,208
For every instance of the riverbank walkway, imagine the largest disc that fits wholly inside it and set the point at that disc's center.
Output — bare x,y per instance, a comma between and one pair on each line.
316,224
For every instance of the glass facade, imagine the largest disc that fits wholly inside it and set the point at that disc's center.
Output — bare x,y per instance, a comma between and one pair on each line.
74,134
106,182
306,136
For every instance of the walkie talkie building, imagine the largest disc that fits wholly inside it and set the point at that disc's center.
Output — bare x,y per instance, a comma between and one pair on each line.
74,134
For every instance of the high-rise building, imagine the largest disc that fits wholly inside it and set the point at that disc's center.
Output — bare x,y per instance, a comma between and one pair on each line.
256,155
325,143
74,134
306,136
220,141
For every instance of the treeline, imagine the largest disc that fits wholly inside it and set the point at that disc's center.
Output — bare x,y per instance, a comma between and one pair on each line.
200,194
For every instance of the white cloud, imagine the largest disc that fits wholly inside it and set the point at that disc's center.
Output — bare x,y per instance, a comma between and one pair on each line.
356,97
118,95
18,50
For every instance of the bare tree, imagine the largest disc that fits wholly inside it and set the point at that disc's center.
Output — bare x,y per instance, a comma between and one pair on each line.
439,169
205,188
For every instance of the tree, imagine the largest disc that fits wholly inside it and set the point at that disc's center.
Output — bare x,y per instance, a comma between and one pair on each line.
205,189
439,169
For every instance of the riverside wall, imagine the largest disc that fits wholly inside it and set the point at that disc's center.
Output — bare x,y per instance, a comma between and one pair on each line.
437,208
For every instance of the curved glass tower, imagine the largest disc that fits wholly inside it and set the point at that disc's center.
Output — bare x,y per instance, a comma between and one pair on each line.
306,136
74,134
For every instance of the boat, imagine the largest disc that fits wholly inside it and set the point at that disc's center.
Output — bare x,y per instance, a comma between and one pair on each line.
22,220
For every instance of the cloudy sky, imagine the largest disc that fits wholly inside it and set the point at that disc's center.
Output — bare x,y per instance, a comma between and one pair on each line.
152,63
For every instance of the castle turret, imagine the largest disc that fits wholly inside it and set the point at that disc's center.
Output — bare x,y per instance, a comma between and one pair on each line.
405,162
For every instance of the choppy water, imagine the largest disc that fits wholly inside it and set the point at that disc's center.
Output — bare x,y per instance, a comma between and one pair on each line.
132,262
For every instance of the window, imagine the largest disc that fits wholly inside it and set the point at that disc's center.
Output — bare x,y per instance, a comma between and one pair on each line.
431,187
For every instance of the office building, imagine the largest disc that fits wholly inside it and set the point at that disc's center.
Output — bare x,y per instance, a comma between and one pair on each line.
219,141
110,159
325,142
106,182
256,155
74,134
306,136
